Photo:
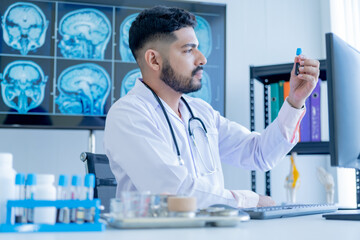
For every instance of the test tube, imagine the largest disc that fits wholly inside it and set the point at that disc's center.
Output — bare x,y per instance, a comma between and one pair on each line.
62,194
75,193
62,187
30,189
89,195
20,195
297,65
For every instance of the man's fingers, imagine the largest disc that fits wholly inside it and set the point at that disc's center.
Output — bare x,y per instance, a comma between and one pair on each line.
309,70
310,62
307,77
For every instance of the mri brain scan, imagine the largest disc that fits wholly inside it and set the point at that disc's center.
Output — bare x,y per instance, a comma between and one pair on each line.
24,27
124,48
129,80
85,34
23,85
202,31
83,89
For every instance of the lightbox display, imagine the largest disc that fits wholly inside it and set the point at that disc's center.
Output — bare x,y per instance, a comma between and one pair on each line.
64,63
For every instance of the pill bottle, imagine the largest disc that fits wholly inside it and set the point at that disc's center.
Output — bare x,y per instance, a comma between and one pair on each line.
7,183
45,190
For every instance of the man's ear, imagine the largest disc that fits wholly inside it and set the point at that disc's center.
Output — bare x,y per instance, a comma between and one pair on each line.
153,59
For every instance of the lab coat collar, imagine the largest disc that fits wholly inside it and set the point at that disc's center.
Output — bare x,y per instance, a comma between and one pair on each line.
142,91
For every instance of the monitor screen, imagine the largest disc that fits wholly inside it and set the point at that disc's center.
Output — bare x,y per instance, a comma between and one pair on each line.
64,63
343,77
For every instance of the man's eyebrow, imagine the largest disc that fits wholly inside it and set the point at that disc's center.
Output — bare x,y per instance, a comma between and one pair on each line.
193,45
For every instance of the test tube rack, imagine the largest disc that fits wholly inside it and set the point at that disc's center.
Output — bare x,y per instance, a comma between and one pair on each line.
57,227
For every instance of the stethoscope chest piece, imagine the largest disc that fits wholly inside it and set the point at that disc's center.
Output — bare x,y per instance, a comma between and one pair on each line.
181,161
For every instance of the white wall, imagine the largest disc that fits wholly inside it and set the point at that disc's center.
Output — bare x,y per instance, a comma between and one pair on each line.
45,151
259,32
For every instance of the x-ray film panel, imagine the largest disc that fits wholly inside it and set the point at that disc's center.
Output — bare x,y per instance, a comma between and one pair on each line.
84,33
24,27
23,85
84,89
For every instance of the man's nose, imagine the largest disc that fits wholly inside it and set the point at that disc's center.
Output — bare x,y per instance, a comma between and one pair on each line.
201,60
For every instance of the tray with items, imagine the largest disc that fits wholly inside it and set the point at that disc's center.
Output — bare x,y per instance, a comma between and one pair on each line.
177,222
139,210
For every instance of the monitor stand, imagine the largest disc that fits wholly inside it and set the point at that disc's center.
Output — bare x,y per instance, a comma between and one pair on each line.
344,215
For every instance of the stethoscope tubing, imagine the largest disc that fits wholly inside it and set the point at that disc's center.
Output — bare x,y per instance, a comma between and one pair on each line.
192,118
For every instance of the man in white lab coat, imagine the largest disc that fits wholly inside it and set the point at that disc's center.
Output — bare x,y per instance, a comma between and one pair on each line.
158,139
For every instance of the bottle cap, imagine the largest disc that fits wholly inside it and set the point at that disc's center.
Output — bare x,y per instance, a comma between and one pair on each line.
90,180
20,179
31,179
76,180
63,180
181,204
45,179
6,159
298,51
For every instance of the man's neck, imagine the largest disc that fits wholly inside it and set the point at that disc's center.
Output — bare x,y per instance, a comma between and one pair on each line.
166,93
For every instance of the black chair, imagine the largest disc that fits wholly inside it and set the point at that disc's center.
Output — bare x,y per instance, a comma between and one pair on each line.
105,182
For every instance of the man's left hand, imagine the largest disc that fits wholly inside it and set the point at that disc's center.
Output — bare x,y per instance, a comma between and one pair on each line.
303,84
265,201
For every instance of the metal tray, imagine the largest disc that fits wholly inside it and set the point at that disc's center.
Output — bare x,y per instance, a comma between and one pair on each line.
177,222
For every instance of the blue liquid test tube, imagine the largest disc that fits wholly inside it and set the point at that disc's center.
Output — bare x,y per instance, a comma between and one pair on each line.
298,52
20,195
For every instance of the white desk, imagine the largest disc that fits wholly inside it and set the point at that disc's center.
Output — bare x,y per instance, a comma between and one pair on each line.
304,228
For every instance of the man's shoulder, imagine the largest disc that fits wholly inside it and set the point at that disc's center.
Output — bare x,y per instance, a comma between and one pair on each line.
129,103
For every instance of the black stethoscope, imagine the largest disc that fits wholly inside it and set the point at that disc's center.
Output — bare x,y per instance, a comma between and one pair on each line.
192,119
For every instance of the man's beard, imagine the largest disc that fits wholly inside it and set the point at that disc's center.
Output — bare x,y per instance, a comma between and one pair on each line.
177,82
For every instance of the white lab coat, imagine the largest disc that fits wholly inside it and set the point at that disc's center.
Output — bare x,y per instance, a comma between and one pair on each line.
142,154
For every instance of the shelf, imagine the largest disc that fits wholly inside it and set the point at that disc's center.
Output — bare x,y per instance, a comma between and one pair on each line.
274,73
312,148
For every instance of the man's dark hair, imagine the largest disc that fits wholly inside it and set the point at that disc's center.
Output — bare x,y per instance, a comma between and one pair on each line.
158,23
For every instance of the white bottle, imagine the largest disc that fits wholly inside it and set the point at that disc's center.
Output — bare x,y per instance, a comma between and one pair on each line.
7,183
45,190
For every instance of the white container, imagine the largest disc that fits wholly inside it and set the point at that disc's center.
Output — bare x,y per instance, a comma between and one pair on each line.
45,190
7,183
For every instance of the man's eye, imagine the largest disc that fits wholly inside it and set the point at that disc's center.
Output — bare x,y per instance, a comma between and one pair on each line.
188,50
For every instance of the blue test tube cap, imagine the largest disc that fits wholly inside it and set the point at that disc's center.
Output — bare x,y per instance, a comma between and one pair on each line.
20,179
298,51
76,180
31,179
63,180
90,180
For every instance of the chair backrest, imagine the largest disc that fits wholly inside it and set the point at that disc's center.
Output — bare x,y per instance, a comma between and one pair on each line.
105,182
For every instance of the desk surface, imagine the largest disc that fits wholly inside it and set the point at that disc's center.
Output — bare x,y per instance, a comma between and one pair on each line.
306,227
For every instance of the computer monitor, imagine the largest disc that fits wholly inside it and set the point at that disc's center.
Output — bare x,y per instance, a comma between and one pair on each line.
343,78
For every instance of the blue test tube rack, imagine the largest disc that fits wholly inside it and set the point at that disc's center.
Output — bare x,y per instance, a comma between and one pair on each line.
57,227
